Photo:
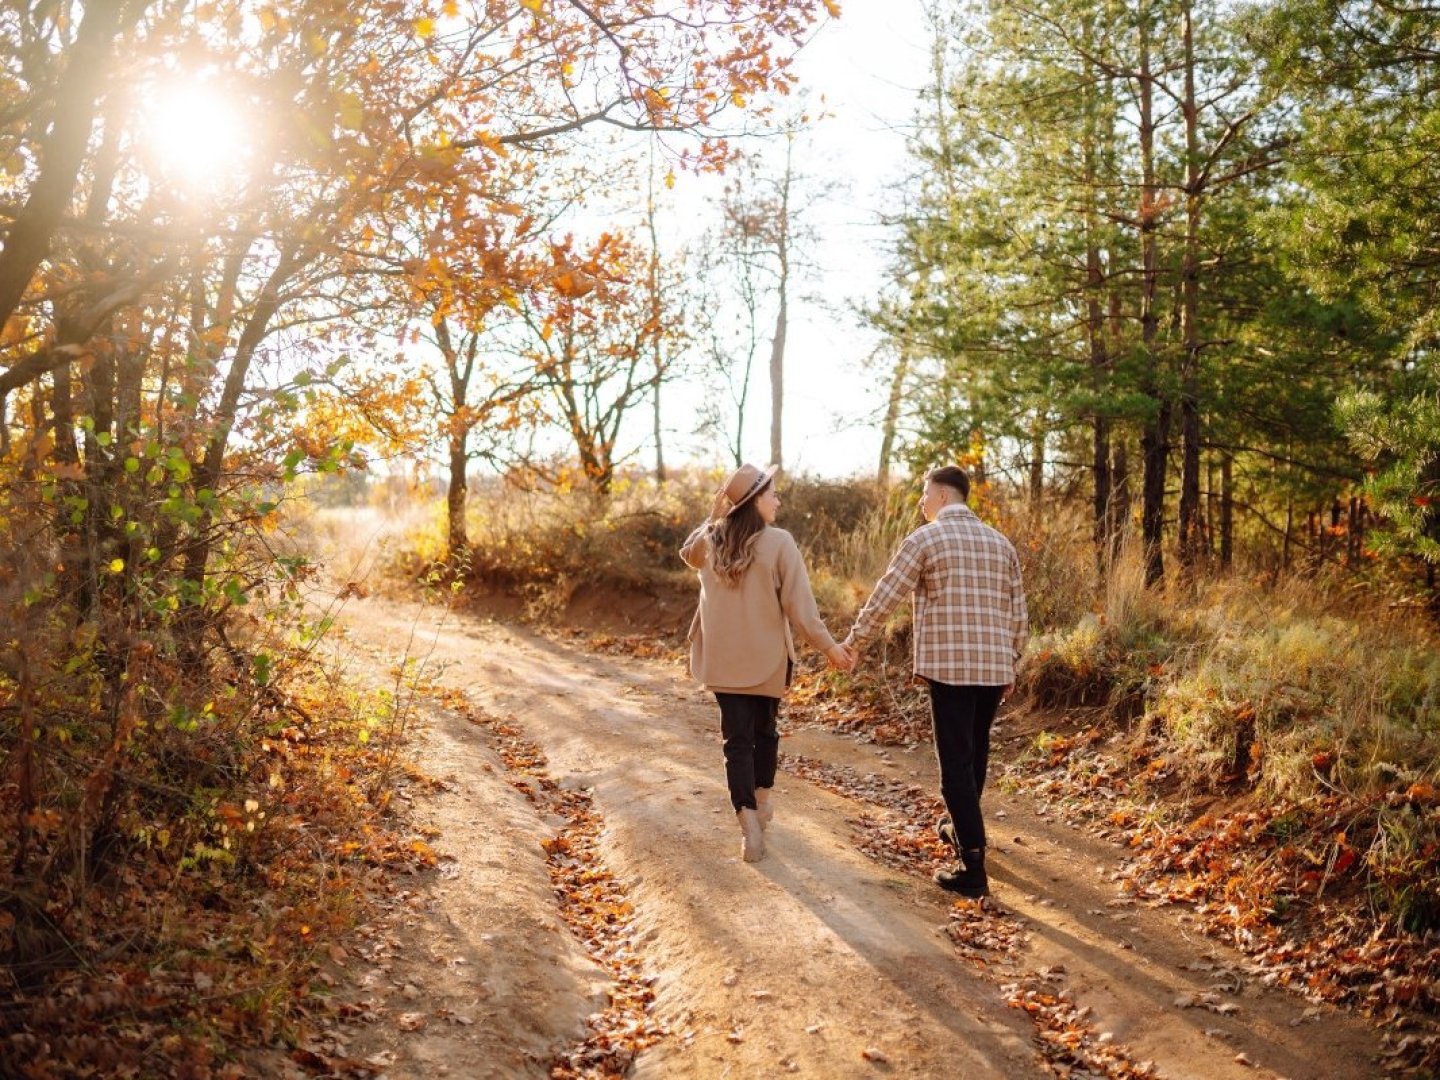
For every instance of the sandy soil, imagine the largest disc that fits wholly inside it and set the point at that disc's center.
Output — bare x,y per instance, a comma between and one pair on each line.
818,961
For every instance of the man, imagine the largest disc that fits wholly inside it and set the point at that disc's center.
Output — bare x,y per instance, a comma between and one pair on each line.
969,629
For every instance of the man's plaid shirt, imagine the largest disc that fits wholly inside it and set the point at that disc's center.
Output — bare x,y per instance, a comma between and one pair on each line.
970,615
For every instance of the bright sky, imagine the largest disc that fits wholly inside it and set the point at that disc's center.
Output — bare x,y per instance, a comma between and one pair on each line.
868,67
863,72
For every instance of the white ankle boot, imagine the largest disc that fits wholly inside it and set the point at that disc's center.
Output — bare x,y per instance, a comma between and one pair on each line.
752,837
764,808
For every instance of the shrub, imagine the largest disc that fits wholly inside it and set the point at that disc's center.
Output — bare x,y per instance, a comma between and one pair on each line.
1403,857
824,515
1057,561
1299,699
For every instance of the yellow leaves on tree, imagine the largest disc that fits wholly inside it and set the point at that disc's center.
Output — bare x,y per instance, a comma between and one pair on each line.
573,284
597,314
380,410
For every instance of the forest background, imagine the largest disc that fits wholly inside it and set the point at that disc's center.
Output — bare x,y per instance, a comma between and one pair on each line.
1162,276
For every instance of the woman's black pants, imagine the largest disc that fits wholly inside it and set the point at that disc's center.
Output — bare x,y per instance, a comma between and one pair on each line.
961,717
752,744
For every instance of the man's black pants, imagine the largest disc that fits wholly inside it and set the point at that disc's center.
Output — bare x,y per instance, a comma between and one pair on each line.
961,717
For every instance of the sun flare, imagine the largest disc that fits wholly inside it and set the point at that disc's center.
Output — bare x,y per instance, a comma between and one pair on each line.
196,137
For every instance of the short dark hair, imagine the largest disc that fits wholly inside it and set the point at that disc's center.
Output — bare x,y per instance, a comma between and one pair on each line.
952,476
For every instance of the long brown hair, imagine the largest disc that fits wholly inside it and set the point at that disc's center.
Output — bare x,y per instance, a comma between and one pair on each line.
732,540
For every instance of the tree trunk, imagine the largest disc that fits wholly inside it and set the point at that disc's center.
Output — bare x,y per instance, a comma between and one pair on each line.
892,414
1037,471
63,406
460,367
100,467
1188,527
1227,510
21,776
208,473
1155,439
1100,464
1289,528
62,150
457,493
1189,512
1209,502
1354,531
656,334
1119,495
1099,371
777,375
1095,321
599,468
777,344
660,476
1154,455
1118,508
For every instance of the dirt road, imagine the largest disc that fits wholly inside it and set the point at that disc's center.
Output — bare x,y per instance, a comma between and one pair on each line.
818,961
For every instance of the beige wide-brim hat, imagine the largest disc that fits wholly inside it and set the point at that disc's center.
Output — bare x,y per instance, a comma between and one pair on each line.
745,483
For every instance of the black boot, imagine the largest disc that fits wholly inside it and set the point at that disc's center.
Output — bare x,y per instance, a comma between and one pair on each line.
968,879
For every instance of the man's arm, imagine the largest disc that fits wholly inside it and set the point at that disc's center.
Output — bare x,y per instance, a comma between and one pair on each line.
897,583
1019,612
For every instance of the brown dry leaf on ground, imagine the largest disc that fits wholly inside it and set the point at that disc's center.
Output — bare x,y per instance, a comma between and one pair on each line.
1280,882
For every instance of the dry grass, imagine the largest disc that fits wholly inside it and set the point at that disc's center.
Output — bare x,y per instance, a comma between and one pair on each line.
1297,693
1254,679
1243,676
543,546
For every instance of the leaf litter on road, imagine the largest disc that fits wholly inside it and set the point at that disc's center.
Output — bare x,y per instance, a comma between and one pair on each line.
593,903
1279,881
898,831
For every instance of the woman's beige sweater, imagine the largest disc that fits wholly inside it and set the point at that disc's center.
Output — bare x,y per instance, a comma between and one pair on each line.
740,638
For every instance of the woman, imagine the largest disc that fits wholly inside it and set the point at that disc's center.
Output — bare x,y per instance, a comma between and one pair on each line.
753,588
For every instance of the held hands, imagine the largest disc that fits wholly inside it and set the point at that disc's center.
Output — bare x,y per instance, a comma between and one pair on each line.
842,656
